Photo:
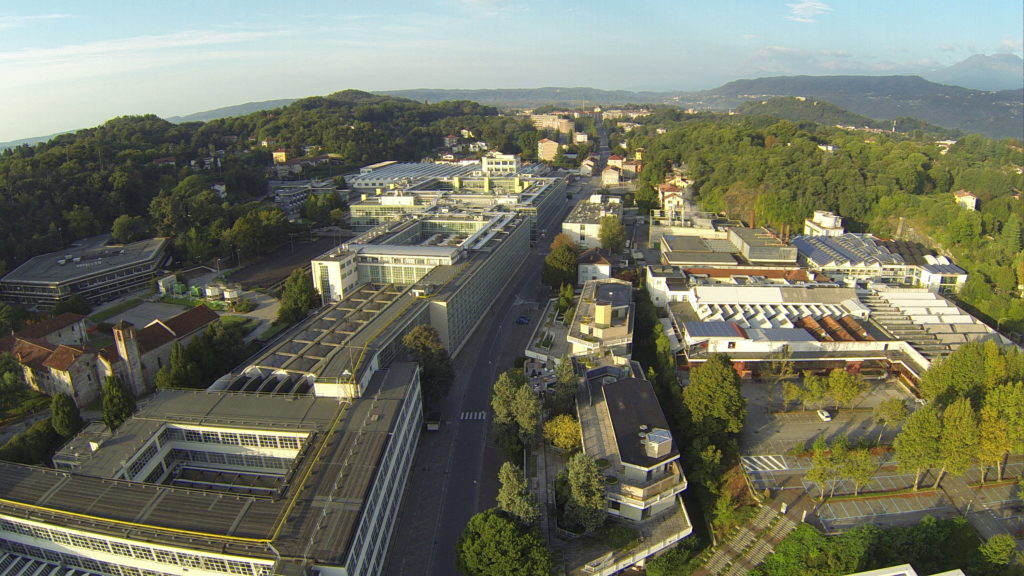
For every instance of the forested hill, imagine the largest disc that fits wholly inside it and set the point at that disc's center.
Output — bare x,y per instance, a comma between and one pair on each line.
141,168
231,111
532,97
802,110
995,114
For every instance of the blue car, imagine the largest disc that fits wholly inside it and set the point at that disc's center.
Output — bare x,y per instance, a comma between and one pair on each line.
523,320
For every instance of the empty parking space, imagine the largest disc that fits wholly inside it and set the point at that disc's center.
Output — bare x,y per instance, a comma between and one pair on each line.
842,514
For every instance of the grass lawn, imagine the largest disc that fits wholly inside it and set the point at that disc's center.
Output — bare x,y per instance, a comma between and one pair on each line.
115,310
248,324
29,402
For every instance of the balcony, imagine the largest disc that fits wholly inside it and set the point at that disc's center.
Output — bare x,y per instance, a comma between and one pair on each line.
643,493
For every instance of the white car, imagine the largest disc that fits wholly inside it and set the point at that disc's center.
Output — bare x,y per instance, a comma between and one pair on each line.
824,415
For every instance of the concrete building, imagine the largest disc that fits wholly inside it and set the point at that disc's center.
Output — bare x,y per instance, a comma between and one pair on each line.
727,247
593,264
623,424
219,484
611,176
547,149
93,268
824,223
602,328
966,199
291,198
495,163
397,176
584,222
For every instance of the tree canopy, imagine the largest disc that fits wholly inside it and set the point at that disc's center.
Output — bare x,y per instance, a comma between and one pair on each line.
612,234
118,402
426,348
492,545
713,395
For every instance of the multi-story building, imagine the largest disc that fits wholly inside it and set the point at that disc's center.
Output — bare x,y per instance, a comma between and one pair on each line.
603,324
622,424
824,223
497,163
219,483
584,222
92,268
547,150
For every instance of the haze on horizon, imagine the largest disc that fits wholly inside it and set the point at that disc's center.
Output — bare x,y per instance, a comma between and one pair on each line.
67,65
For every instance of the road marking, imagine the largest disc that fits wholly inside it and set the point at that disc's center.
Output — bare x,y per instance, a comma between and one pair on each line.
475,415
764,463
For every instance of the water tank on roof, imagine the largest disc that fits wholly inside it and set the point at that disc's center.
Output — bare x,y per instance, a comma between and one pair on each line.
658,443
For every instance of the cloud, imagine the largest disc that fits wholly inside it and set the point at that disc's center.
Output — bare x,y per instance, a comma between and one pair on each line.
807,10
8,22
1011,45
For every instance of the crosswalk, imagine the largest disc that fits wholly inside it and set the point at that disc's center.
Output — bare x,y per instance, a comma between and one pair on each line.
763,463
475,415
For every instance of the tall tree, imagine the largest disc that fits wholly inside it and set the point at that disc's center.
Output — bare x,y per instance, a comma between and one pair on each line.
503,394
993,441
612,234
492,545
713,396
586,505
917,446
959,443
889,414
65,419
526,413
179,371
844,387
566,383
118,403
563,239
297,298
860,468
514,496
426,348
559,267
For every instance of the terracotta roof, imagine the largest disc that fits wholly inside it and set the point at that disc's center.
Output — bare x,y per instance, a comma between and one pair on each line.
160,332
793,275
32,353
544,140
668,187
63,357
51,325
594,256
964,194
614,157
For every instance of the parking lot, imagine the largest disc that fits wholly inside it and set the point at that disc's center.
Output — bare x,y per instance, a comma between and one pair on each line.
891,511
768,430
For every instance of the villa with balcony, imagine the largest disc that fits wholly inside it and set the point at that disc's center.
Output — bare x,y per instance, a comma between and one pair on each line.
626,432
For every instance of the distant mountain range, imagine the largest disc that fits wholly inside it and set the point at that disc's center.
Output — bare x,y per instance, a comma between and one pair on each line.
992,104
981,72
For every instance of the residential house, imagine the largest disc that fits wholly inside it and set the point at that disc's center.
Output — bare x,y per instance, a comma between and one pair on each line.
593,264
547,150
611,176
966,199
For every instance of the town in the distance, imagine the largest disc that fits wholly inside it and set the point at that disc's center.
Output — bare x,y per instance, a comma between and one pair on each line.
361,335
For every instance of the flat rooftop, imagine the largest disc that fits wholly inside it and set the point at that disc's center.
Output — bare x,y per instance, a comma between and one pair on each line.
412,171
631,404
847,249
588,212
92,256
314,520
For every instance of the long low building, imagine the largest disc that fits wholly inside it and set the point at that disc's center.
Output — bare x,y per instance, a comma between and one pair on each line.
94,269
219,483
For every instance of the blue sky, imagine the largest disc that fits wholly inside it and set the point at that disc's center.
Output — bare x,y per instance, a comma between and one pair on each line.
69,65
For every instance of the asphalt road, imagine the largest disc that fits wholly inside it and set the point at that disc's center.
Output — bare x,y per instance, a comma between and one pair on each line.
455,471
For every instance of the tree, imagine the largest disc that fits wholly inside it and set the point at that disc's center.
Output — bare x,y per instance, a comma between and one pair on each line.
118,403
998,549
566,383
860,468
778,368
76,304
917,446
889,414
526,413
820,472
586,505
563,431
65,417
503,394
297,297
559,267
844,387
993,441
492,545
959,444
563,239
127,228
514,496
713,396
612,234
179,371
11,318
438,372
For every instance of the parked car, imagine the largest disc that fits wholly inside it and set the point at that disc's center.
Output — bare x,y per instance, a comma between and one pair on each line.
523,320
825,415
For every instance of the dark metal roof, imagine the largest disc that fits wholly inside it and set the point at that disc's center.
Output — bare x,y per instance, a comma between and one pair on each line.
632,404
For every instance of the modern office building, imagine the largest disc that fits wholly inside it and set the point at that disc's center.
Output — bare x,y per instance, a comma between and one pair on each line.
217,484
497,163
93,268
400,175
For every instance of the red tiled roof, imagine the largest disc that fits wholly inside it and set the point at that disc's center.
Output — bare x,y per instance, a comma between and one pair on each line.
593,256
32,353
160,332
614,157
963,194
51,325
63,357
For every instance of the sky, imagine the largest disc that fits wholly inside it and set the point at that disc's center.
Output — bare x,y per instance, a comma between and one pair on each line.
70,65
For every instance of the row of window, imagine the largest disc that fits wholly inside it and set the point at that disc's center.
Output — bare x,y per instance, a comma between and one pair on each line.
250,461
140,552
172,433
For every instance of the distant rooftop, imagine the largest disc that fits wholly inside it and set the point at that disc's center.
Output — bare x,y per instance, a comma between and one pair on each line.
409,172
846,249
90,257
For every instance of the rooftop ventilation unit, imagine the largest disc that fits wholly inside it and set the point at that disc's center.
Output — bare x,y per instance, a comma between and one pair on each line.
658,443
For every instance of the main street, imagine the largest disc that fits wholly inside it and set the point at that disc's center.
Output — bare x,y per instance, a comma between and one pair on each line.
455,471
